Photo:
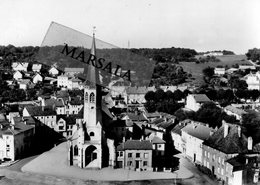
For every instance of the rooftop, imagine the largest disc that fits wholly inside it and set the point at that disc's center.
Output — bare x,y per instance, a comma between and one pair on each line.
201,98
198,130
135,145
230,144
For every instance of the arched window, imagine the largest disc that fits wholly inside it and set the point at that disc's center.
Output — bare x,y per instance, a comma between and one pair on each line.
92,98
76,150
86,96
91,134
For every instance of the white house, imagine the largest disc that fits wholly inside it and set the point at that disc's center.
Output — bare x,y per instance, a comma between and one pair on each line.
36,67
53,71
195,101
193,135
253,81
25,84
219,71
18,75
37,78
244,67
15,140
73,71
233,111
17,66
62,81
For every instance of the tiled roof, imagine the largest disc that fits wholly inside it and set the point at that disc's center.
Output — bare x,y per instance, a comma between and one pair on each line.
136,117
135,145
41,110
76,101
198,130
177,129
51,102
237,162
235,110
157,140
231,144
201,98
18,128
77,70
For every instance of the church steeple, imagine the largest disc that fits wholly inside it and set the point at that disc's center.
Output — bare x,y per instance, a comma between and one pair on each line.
92,72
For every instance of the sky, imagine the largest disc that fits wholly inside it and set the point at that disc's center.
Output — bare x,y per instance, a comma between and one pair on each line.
203,25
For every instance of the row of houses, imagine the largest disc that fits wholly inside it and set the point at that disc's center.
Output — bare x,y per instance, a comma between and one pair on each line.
218,150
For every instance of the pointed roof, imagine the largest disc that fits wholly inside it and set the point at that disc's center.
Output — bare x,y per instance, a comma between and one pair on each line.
92,73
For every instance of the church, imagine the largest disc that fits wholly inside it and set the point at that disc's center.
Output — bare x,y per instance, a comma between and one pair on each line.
88,147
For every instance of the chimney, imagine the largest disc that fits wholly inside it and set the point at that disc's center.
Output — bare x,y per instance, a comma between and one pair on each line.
123,139
225,128
249,143
239,131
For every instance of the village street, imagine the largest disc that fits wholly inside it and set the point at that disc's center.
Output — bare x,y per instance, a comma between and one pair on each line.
13,175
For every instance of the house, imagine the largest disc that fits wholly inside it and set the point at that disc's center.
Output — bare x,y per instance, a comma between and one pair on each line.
253,81
20,66
227,142
244,169
121,129
57,103
195,101
74,83
158,146
193,135
231,70
244,67
136,94
68,82
25,84
65,124
36,67
18,75
73,71
233,111
213,53
53,71
135,155
45,114
62,81
37,78
15,140
219,71
176,134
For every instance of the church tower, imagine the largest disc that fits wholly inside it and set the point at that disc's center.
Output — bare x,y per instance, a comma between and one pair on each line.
90,135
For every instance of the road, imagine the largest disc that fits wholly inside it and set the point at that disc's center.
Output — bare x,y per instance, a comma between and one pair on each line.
13,175
199,177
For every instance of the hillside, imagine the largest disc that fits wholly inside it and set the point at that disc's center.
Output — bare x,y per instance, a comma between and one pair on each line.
196,69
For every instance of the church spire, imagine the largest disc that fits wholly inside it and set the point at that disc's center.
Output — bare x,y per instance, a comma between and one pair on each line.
92,72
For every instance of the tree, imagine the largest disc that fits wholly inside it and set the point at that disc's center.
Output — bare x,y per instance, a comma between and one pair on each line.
212,114
178,95
251,123
236,83
149,96
253,54
208,73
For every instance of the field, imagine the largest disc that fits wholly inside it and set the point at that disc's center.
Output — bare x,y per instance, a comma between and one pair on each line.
196,69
